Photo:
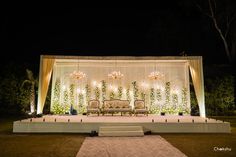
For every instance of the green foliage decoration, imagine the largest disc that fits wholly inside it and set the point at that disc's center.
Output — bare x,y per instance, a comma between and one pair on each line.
167,94
112,95
184,102
66,104
128,94
56,107
97,93
88,93
143,96
175,102
158,95
104,89
154,109
152,96
120,92
135,89
82,107
72,95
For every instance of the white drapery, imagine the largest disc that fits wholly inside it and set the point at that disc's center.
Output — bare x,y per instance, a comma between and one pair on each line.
45,73
196,71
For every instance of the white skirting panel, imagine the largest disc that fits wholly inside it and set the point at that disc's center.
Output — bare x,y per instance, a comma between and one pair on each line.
87,127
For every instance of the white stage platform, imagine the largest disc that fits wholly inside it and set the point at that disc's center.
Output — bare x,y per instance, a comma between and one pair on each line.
153,123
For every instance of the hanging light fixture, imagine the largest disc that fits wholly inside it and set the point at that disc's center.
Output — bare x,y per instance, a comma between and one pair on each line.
115,74
77,75
155,75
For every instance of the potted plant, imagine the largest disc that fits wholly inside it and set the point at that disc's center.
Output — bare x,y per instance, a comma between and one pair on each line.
180,113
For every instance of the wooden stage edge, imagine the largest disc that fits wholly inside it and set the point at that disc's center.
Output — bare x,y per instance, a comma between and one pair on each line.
153,123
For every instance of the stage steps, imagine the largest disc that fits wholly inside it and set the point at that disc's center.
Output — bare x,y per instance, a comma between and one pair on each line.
120,131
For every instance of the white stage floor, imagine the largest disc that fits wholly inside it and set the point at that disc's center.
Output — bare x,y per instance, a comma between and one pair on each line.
154,123
123,119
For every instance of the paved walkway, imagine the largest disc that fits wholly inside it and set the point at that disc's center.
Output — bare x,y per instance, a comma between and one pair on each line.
147,146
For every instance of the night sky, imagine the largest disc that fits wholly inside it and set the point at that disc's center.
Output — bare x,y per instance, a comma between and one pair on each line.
164,30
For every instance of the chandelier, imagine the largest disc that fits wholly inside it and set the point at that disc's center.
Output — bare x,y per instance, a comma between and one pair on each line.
115,75
155,75
77,75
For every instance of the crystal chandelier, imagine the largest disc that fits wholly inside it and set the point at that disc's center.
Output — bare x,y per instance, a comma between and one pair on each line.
77,75
115,75
155,75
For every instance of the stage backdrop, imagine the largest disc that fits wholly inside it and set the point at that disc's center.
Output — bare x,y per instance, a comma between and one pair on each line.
162,82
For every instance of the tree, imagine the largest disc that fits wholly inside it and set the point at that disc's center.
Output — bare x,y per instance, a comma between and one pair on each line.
223,15
32,82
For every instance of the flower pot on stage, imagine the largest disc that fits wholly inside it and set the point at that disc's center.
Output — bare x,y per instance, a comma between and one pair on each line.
180,113
162,113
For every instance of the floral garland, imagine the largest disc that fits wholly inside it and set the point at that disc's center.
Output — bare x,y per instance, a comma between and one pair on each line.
167,94
143,95
158,95
135,89
88,93
56,107
72,95
82,108
128,94
153,109
56,96
112,95
120,92
104,90
175,101
184,100
81,100
152,96
97,93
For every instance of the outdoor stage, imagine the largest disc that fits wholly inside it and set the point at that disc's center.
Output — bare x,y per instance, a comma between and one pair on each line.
153,123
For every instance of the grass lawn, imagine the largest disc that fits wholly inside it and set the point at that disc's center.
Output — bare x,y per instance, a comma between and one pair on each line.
66,145
199,145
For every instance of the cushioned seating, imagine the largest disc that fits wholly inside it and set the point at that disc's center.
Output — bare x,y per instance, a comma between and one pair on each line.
139,107
113,106
93,107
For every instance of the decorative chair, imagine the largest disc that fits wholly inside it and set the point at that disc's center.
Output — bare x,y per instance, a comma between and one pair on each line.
93,107
139,107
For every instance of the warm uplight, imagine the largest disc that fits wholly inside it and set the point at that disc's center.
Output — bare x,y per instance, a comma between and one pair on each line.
78,90
144,85
83,91
94,83
99,85
63,87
